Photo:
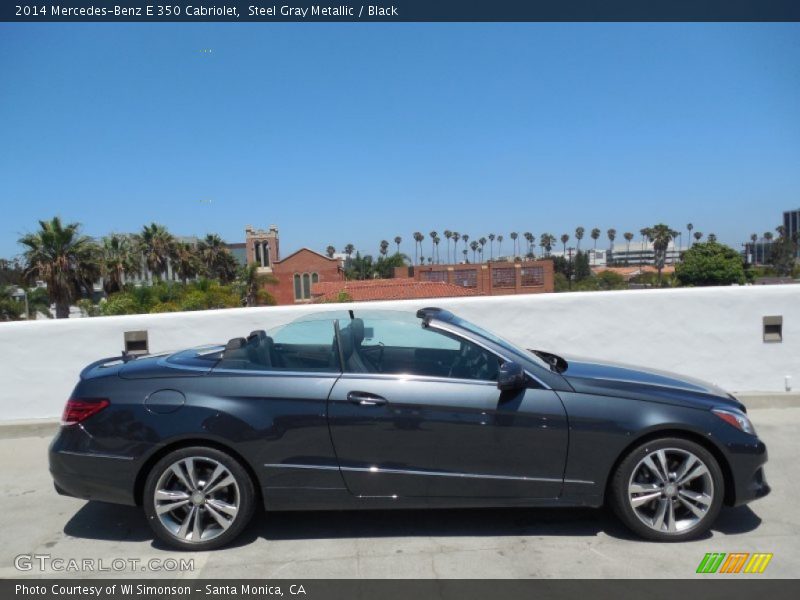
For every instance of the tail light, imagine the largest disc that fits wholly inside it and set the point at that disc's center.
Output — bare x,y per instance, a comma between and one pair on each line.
80,409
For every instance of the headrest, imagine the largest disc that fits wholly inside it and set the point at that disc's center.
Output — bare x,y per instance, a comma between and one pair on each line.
346,342
235,343
357,329
258,334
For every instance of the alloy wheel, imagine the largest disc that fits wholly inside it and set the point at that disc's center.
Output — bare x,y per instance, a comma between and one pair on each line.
671,490
197,499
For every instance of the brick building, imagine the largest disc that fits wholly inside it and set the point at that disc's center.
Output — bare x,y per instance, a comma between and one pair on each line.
489,279
294,274
386,289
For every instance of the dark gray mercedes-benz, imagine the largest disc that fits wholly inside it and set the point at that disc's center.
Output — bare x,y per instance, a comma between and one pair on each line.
384,409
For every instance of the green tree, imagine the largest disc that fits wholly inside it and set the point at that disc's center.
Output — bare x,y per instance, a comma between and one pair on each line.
579,231
595,235
628,239
710,263
782,255
661,236
64,259
330,251
251,286
216,260
117,258
157,245
185,261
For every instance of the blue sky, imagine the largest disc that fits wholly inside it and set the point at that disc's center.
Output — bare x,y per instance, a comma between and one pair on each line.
355,132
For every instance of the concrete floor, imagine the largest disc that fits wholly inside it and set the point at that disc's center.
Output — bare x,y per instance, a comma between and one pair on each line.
402,544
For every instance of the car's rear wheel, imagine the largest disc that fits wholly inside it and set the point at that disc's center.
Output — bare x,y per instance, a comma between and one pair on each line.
198,498
668,489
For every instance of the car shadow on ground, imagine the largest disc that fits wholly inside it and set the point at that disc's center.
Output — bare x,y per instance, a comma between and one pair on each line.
100,521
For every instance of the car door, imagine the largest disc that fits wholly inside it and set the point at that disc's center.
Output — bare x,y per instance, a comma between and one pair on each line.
280,382
417,413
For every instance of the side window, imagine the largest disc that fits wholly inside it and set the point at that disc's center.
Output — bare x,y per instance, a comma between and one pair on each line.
405,347
299,346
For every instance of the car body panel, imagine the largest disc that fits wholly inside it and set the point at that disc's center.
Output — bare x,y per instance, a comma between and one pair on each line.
435,441
447,438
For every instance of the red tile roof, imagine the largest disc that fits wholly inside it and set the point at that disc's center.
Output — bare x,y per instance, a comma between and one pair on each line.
387,289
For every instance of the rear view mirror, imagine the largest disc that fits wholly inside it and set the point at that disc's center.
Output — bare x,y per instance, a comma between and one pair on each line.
510,376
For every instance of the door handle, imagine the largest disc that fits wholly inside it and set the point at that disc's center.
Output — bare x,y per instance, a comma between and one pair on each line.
365,399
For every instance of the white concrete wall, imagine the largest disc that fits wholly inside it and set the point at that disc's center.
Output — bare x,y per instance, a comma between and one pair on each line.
711,333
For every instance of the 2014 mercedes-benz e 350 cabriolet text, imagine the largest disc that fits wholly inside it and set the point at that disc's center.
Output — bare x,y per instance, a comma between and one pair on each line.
382,409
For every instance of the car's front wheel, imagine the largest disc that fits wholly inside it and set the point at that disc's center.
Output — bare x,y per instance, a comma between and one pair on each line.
668,489
198,498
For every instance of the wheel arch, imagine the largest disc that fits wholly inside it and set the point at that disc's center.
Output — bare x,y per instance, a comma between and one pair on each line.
144,471
729,496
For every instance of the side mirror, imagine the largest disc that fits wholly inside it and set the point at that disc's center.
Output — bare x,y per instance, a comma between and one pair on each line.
510,376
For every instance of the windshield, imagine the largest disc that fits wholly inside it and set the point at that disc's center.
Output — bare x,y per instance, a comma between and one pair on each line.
503,343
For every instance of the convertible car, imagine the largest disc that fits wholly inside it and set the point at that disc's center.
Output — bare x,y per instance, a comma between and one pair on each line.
381,409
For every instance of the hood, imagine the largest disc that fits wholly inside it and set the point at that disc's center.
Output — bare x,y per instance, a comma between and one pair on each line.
613,379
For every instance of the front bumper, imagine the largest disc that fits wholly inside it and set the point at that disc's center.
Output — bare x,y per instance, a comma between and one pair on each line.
747,461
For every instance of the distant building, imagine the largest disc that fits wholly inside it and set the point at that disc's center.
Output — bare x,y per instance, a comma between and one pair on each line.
642,253
297,274
386,289
791,223
489,279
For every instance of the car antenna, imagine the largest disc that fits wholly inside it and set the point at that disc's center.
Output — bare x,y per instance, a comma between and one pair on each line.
352,316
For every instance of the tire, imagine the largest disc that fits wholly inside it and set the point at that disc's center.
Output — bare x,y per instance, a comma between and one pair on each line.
675,506
198,498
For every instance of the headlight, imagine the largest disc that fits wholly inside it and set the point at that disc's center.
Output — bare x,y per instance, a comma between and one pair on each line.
736,418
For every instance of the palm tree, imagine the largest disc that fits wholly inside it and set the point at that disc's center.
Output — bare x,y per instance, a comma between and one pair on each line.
528,238
514,235
474,246
500,245
116,260
397,241
330,251
252,284
217,261
661,235
628,239
697,235
579,231
433,235
564,240
464,252
482,242
456,237
64,259
384,247
491,237
185,263
768,236
712,238
348,250
448,236
595,235
689,228
157,246
436,240
546,243
612,235
418,237
754,239
465,237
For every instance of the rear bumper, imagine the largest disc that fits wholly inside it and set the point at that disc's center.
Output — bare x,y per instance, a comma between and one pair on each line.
90,475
